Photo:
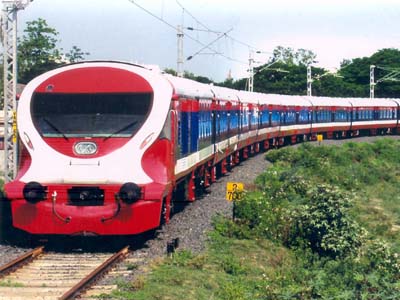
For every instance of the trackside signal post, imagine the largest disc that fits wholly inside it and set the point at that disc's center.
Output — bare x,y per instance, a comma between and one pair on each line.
234,192
9,37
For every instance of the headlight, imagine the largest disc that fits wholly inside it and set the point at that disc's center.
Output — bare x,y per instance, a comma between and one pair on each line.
129,192
34,192
85,148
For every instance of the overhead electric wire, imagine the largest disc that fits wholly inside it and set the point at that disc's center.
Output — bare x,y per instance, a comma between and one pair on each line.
391,76
197,20
209,44
210,30
187,35
153,15
388,68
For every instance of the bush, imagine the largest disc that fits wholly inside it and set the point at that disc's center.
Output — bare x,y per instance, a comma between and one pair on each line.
325,223
379,256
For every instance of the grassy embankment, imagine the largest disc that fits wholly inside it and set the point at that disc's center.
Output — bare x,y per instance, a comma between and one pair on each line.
324,224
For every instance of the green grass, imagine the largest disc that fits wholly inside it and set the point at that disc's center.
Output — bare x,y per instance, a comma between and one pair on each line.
231,269
10,283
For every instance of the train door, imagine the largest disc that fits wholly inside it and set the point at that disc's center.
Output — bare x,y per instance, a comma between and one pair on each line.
173,125
194,125
214,121
205,123
183,127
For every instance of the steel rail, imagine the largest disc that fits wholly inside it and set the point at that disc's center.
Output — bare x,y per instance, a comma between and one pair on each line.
5,269
75,290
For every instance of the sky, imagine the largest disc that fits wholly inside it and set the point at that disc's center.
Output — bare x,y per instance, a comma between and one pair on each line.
120,30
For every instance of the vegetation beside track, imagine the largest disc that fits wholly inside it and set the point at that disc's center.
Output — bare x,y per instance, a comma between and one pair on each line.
323,224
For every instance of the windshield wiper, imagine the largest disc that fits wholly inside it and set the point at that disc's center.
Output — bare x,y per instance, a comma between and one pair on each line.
120,130
54,127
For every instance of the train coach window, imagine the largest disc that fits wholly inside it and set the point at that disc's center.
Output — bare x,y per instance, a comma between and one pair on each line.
341,116
290,117
90,115
354,115
254,117
234,119
223,119
303,116
384,114
275,118
264,118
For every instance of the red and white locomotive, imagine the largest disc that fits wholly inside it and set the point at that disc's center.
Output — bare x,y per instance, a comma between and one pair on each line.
106,146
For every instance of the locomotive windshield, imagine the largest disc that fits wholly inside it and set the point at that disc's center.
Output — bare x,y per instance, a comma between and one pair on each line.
90,115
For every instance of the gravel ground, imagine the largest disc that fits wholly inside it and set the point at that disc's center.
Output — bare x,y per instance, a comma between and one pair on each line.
9,253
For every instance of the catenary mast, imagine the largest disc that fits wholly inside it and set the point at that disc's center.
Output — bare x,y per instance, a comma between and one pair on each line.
9,38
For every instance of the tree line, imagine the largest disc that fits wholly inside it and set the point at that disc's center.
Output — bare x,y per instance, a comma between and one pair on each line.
287,74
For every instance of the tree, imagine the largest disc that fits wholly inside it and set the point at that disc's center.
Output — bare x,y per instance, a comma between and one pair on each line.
290,56
201,79
37,50
76,54
170,71
386,60
356,72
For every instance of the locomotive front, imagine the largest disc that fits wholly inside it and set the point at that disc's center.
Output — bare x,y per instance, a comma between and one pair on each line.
96,151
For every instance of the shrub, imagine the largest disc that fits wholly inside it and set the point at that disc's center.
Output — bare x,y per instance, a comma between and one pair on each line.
325,224
379,256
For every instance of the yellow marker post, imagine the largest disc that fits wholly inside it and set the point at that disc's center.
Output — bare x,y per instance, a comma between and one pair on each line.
234,191
320,138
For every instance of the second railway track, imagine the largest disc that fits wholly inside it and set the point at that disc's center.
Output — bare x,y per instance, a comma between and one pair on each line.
49,275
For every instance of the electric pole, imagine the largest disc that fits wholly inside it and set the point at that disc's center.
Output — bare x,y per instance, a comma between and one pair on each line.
251,72
309,81
372,82
179,68
9,36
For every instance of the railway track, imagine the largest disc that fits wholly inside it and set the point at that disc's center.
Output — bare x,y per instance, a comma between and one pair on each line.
46,275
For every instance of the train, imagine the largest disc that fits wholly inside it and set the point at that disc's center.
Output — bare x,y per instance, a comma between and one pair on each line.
107,147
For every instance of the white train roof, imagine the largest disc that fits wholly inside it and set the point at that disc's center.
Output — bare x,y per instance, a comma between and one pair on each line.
277,99
395,100
189,88
249,97
367,102
328,101
223,93
294,100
